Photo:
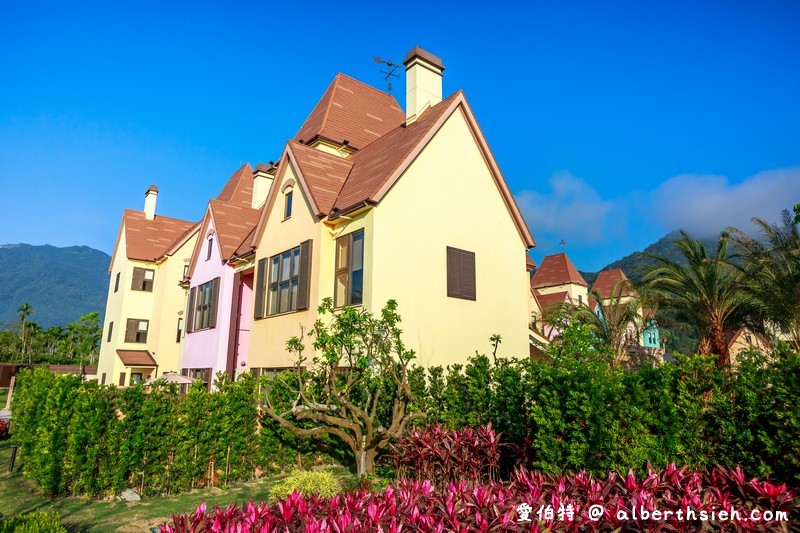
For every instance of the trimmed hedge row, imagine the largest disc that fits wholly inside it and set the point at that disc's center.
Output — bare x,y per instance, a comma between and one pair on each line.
572,414
79,437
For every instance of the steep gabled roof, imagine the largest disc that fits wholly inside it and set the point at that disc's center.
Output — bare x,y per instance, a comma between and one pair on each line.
557,269
323,174
375,165
232,224
607,279
148,240
351,111
548,301
239,188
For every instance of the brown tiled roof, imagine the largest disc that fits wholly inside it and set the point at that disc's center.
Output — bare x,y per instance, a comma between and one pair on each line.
239,189
232,224
148,240
529,263
136,358
557,269
351,111
604,284
547,301
323,173
375,165
247,245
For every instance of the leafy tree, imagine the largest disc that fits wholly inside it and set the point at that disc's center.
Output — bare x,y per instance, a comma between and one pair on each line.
357,388
770,269
704,291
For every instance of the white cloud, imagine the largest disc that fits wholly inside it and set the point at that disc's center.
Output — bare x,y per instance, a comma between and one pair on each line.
572,210
706,204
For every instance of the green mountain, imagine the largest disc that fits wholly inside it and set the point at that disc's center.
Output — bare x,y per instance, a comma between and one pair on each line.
60,284
635,265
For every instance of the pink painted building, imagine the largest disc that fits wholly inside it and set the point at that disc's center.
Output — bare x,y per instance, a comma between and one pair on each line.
219,313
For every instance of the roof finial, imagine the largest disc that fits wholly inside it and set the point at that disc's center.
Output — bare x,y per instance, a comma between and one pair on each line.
563,243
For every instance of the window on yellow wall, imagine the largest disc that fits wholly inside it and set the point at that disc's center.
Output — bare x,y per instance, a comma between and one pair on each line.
287,205
143,279
282,282
349,281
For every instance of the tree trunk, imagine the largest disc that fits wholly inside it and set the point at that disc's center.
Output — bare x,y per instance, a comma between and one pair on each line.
719,345
365,461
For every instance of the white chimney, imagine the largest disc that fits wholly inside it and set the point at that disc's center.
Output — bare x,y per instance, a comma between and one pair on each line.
423,82
262,180
150,202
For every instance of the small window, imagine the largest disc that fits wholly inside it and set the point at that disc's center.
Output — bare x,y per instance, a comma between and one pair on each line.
749,339
580,299
180,330
143,279
203,374
287,205
185,271
349,281
136,330
136,378
460,274
103,379
110,331
210,247
116,283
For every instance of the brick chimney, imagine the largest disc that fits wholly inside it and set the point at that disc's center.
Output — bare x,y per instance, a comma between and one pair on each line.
150,197
423,82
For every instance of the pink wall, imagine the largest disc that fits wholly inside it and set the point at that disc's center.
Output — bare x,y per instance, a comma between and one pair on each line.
245,312
208,348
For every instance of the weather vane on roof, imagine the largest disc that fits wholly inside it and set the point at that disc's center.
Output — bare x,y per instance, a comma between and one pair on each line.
563,243
389,73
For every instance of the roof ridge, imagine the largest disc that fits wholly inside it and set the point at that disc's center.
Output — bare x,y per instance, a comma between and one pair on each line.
334,86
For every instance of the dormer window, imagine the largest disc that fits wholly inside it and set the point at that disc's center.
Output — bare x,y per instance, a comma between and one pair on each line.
287,205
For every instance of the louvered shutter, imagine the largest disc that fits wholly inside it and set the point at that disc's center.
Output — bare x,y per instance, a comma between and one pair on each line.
453,273
261,281
131,328
212,318
468,275
190,311
304,276
138,279
122,379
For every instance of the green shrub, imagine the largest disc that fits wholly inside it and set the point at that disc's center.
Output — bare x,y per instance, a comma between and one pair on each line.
321,483
37,522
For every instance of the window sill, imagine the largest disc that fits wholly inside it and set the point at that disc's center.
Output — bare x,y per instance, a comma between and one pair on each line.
283,314
200,329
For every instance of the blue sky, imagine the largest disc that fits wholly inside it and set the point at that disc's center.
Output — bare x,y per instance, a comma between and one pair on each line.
612,122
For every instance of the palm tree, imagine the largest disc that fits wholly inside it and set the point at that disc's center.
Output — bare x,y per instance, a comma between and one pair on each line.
704,291
770,271
24,311
618,325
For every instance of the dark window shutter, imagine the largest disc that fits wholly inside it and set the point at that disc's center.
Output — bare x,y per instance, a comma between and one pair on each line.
122,379
116,283
184,371
453,272
190,311
131,327
303,284
468,275
138,279
261,281
212,314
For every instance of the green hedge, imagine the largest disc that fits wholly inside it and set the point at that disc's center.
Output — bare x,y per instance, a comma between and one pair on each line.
82,438
37,522
576,413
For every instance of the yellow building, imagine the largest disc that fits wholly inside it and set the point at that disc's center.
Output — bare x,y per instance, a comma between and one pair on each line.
144,322
370,204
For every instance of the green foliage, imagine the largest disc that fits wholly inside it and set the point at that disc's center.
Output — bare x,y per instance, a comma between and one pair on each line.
37,522
307,483
82,438
576,412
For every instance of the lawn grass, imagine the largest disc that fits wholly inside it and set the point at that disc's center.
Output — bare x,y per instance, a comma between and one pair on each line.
17,495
